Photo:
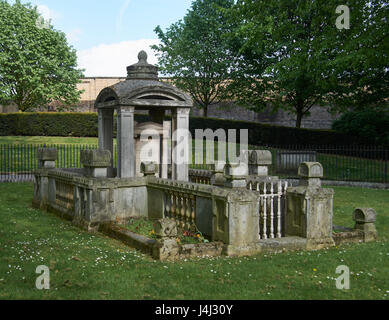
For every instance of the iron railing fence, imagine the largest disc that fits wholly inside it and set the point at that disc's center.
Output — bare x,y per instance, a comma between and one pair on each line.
343,163
18,161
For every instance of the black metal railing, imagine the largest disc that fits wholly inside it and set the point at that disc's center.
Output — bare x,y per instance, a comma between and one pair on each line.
18,161
347,163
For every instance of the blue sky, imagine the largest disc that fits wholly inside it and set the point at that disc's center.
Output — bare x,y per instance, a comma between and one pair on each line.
108,34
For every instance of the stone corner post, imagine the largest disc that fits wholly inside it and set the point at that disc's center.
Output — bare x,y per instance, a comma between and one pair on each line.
236,220
310,208
46,161
96,163
365,219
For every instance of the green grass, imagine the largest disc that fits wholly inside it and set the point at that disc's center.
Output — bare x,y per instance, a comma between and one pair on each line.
92,266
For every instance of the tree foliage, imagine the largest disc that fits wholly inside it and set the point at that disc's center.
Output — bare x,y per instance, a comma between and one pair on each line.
295,57
195,53
37,65
371,124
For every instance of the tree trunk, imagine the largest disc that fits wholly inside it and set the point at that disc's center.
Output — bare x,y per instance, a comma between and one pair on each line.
205,111
299,114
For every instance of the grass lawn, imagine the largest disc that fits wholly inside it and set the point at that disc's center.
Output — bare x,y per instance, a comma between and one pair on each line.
92,266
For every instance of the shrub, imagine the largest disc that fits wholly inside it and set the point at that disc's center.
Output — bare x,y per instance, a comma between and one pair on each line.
368,124
86,125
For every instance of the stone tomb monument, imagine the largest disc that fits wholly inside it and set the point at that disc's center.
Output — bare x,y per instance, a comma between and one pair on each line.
143,91
239,207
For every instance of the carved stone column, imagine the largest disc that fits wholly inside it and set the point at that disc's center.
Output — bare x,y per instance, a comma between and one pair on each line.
180,144
126,142
106,134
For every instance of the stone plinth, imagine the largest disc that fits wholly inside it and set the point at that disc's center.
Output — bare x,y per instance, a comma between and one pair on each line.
310,208
96,162
259,162
218,178
165,228
310,174
47,157
149,169
235,175
365,219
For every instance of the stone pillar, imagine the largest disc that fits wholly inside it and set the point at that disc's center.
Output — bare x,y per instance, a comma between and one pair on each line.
166,150
126,142
259,162
218,178
47,157
96,162
365,219
235,175
106,134
149,169
310,208
180,144
236,220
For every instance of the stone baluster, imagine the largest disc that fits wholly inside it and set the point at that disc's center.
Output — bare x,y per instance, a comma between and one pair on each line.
264,236
272,211
279,235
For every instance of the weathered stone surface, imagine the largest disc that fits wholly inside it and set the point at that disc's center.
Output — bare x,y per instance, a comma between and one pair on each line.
149,168
236,216
167,250
166,228
95,158
310,174
235,175
96,162
309,215
365,219
47,154
311,170
47,157
260,158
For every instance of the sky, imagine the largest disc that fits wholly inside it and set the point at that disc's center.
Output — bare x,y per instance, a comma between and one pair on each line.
109,34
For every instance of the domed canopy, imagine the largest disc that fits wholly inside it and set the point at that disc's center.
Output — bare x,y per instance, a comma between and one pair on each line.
143,90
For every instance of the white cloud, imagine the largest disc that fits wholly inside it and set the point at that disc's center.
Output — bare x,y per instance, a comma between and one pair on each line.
111,60
47,13
74,35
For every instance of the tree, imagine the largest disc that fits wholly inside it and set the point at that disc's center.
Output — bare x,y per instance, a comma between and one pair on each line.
295,57
37,66
372,124
195,53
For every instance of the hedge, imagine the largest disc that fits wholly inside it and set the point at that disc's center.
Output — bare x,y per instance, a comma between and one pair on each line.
85,125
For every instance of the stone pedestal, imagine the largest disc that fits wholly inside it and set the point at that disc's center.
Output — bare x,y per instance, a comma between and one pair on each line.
218,178
47,157
310,209
235,175
259,162
46,160
149,169
365,219
96,163
235,220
